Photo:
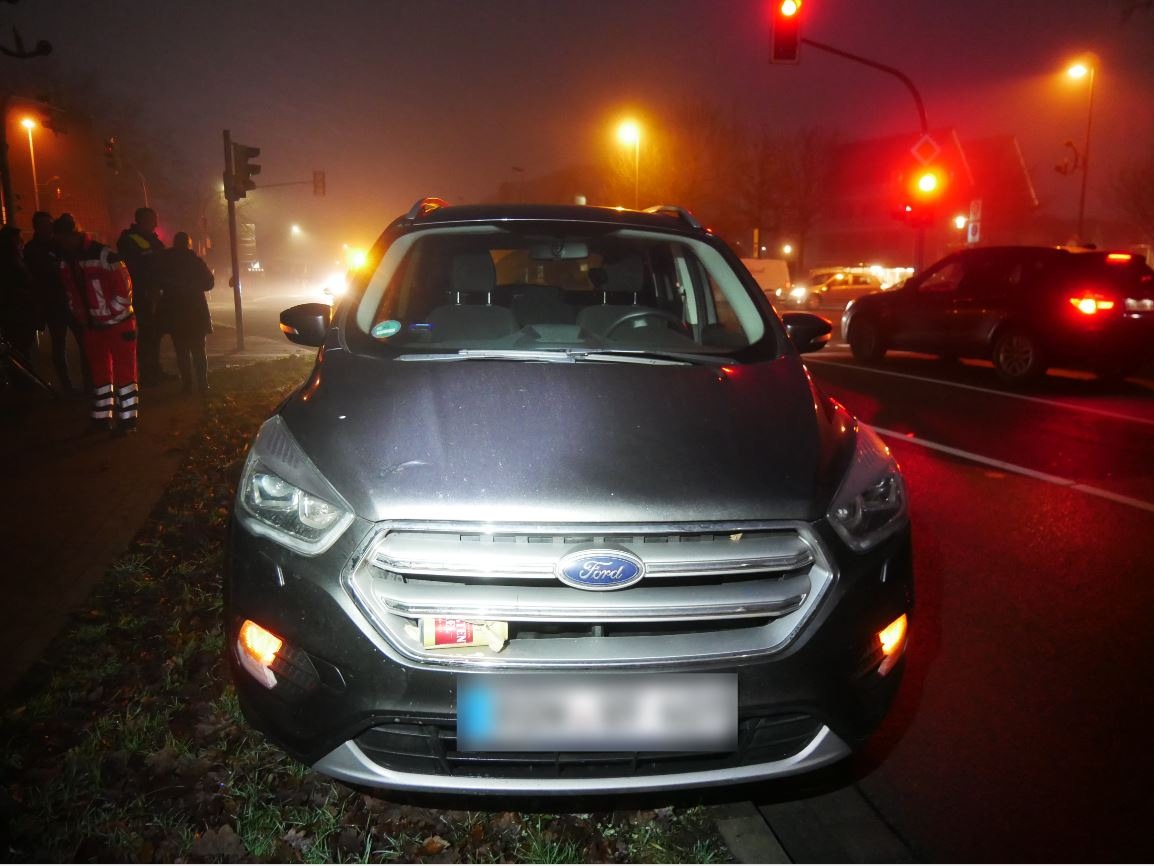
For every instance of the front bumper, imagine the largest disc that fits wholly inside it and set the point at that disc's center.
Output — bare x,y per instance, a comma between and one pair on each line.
359,711
350,764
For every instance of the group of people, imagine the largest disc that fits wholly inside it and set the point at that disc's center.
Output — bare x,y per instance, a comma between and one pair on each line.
118,304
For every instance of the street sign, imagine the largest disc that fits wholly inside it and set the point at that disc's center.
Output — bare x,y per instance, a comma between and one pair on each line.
974,226
925,149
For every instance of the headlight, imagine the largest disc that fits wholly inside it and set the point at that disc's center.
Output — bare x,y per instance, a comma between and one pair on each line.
871,503
798,293
283,496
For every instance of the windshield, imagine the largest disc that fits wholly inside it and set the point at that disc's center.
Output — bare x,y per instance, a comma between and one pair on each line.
556,287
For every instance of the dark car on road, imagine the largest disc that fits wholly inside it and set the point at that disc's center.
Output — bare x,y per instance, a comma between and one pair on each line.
1024,308
559,510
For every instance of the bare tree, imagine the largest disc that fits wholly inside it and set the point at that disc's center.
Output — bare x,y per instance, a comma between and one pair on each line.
17,49
149,158
1133,190
733,177
686,157
805,180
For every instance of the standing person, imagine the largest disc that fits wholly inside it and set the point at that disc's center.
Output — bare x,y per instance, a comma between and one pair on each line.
184,278
41,259
138,245
19,310
100,296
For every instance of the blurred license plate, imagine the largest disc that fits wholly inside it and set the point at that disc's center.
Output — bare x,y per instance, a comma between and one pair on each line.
583,713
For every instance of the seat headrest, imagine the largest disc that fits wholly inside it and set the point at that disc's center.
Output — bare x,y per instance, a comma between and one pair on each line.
473,273
624,275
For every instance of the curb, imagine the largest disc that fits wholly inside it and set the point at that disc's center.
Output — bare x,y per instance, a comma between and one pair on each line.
748,835
842,826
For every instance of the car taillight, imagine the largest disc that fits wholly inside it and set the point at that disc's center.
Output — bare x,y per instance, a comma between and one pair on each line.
1119,258
1091,303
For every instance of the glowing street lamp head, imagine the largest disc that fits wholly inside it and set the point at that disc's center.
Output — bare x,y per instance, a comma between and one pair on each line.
629,132
296,229
28,123
960,222
1078,70
928,182
789,7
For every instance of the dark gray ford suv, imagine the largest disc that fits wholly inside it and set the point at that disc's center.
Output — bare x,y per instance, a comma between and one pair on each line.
559,510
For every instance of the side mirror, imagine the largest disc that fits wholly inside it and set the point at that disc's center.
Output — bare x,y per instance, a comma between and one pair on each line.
306,324
809,333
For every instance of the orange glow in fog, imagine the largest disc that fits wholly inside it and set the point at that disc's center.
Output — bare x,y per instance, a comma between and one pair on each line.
261,645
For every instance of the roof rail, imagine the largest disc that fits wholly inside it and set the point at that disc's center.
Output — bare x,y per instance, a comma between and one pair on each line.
424,206
675,211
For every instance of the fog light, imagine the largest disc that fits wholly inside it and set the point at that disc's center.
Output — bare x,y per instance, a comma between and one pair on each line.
257,649
893,641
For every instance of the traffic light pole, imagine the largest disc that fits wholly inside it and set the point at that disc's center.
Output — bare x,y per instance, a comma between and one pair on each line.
920,241
234,254
873,64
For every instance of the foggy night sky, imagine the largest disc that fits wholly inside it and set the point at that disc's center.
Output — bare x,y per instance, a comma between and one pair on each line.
396,99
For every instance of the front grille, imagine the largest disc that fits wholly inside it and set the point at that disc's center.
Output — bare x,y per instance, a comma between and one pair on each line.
429,747
711,592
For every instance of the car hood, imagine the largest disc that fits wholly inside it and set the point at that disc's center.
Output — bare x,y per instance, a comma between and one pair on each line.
528,442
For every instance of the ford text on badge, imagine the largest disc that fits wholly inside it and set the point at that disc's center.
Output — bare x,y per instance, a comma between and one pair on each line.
600,569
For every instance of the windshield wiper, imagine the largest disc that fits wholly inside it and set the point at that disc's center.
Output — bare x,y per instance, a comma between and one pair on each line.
649,356
557,356
572,356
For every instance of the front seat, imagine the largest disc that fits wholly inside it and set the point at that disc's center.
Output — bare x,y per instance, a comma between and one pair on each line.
622,278
469,317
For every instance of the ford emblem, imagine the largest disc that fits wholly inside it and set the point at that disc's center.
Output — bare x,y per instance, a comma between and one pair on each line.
600,569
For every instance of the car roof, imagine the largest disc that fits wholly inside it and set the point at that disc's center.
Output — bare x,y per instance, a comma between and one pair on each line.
1038,248
673,219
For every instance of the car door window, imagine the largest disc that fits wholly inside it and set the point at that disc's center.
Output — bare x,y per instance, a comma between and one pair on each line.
943,280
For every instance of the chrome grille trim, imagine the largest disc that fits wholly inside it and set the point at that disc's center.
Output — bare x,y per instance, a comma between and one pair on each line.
546,604
532,556
712,609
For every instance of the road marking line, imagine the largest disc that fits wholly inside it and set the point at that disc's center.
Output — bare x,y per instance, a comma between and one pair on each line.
1072,406
1020,470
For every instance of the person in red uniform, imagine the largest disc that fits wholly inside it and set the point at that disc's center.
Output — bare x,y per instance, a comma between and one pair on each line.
100,298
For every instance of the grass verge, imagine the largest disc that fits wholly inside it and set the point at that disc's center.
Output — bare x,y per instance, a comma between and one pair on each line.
125,743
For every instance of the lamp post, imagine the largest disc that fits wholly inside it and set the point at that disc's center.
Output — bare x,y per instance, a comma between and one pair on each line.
30,124
1078,71
630,133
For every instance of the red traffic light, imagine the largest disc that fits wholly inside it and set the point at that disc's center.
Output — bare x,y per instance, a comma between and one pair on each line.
928,183
786,36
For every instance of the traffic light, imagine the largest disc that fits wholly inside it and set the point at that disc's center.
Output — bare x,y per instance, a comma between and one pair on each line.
786,36
112,154
319,183
243,170
923,192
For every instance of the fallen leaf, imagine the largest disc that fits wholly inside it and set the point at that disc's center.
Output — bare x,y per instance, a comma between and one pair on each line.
222,843
297,839
433,845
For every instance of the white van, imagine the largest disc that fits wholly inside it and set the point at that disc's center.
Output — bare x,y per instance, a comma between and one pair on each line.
773,277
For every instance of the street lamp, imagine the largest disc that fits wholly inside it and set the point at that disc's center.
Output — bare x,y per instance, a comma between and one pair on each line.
629,132
30,124
1087,67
